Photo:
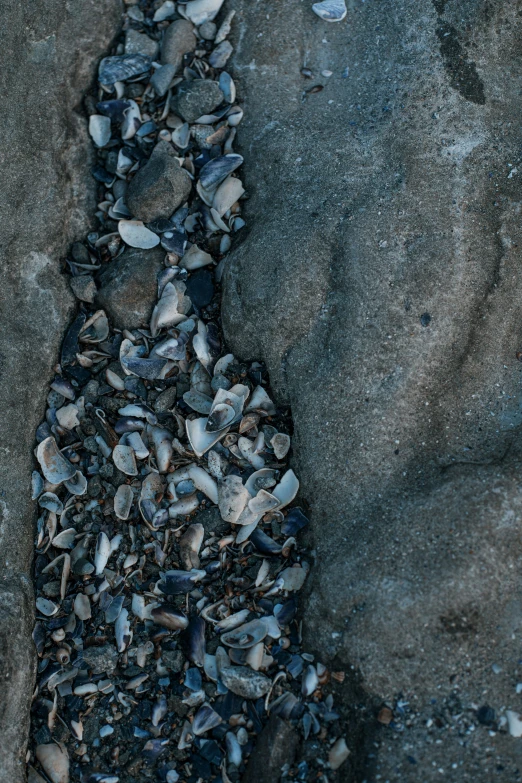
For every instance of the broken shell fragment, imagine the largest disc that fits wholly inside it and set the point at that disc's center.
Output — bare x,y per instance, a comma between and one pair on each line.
281,445
123,501
246,635
125,460
55,761
338,754
135,234
169,617
201,440
233,497
245,682
218,169
330,10
55,467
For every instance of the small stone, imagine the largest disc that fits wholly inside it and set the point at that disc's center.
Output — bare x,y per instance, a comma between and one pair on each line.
165,11
158,189
179,39
196,98
134,12
173,660
162,78
200,288
245,682
101,660
208,31
84,288
385,716
129,287
139,43
220,55
166,400
80,253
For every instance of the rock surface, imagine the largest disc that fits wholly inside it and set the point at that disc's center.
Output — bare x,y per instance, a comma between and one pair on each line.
159,188
380,281
129,286
275,747
196,98
47,51
178,40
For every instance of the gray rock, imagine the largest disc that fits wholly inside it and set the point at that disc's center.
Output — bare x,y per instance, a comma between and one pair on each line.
139,43
173,660
45,144
101,660
158,188
275,746
220,55
162,78
128,287
208,31
245,682
84,288
407,430
178,40
196,98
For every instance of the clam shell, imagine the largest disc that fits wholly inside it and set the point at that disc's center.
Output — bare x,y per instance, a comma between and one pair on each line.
122,67
205,719
77,485
246,635
162,442
227,194
227,86
51,502
135,234
100,129
260,401
261,479
218,169
169,617
123,501
46,607
55,467
65,539
201,403
195,258
201,440
233,496
281,445
287,489
190,544
102,553
125,460
263,502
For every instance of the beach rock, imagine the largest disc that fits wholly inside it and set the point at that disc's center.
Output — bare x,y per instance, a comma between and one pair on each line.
276,746
178,40
196,98
84,288
128,287
47,146
162,78
158,188
139,43
380,281
101,660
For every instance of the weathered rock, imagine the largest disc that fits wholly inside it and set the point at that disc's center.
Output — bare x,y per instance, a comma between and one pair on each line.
46,197
196,98
275,746
158,189
101,660
139,43
380,280
128,287
162,78
179,39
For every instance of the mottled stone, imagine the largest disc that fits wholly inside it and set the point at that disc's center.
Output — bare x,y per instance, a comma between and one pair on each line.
196,98
178,40
158,189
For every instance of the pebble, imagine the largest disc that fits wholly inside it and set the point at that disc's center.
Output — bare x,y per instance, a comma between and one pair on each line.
197,98
158,188
162,78
178,40
220,55
84,288
139,43
208,31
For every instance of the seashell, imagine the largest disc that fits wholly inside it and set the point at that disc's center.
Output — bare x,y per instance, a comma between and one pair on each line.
218,169
65,539
123,501
68,416
179,582
201,440
234,752
190,544
159,710
246,635
294,522
173,348
50,502
226,408
193,640
165,11
122,67
201,11
55,761
186,736
263,502
287,489
233,496
181,135
82,607
122,631
135,234
227,194
223,364
55,467
128,424
169,617
113,109
95,329
201,403
255,656
219,56
339,753
265,544
195,258
261,479
140,411
248,452
37,485
210,667
234,116
171,308
310,681
131,121
150,369
260,401
46,607
245,682
124,459
281,445
330,10
63,387
205,719
293,578
200,345
233,620
285,705
134,440
112,612
102,553
77,485
162,442
100,129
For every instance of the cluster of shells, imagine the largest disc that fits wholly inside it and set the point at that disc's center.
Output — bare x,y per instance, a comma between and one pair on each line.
166,560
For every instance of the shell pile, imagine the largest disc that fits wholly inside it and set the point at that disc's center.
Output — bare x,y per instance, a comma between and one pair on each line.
167,557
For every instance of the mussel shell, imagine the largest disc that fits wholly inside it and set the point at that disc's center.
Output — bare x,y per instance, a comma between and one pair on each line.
246,635
265,544
169,617
193,641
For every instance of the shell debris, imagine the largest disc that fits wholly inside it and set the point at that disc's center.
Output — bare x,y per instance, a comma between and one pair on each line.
168,548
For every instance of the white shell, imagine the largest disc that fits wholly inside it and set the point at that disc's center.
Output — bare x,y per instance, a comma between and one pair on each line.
55,467
330,10
131,122
339,753
103,552
294,578
200,11
204,482
123,501
55,761
162,441
77,485
67,416
82,606
171,308
201,440
195,258
124,460
122,631
514,720
233,496
100,129
287,489
135,234
227,194
281,445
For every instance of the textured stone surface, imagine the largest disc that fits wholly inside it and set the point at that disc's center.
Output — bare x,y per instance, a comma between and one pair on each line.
158,188
179,39
196,98
129,286
48,52
275,747
380,280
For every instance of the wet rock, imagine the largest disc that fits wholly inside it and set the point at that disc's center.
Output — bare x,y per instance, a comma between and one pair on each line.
139,43
128,287
158,188
196,98
84,288
178,40
276,746
101,660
